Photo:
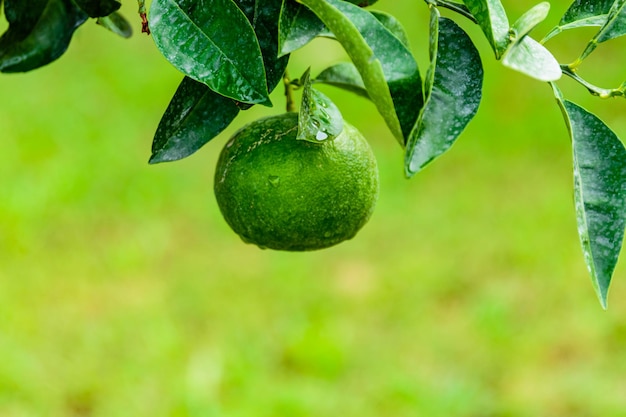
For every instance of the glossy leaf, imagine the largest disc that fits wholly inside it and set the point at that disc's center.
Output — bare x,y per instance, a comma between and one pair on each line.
212,42
23,15
363,3
195,115
98,8
599,191
393,25
582,13
616,23
491,17
39,32
319,117
529,20
453,94
387,67
345,76
297,26
584,9
117,24
263,16
531,58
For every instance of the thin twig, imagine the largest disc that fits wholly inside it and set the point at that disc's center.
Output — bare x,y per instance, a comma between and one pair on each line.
289,102
594,90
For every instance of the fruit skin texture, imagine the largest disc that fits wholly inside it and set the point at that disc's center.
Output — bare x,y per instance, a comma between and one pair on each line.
282,193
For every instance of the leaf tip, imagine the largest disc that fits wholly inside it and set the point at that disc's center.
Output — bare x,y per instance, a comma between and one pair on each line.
155,158
161,156
603,298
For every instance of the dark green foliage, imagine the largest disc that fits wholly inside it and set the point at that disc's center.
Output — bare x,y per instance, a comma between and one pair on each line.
297,26
117,24
98,8
600,192
192,36
38,33
194,116
262,16
233,54
453,93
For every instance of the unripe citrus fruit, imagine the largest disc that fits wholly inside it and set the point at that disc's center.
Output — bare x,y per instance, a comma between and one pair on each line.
282,193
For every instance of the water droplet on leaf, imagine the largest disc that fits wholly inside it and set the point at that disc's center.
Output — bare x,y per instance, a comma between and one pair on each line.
274,180
321,136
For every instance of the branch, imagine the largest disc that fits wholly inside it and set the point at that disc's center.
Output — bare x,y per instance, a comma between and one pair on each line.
594,90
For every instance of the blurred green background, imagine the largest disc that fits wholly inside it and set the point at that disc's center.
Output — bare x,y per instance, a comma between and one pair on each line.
124,293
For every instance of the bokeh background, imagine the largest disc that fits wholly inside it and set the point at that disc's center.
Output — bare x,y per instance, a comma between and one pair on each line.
124,293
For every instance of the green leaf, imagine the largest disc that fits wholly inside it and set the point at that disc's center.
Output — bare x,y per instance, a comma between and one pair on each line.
297,26
529,20
491,17
453,94
616,23
98,8
599,191
24,15
319,117
363,3
263,15
582,13
343,75
194,116
393,25
531,58
212,42
39,32
584,9
387,67
117,24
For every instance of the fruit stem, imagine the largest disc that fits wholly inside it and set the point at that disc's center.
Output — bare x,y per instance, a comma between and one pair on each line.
145,28
289,102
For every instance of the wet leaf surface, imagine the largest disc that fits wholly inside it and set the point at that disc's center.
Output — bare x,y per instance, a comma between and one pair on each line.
263,16
582,13
298,26
600,192
393,25
493,21
531,58
194,116
453,94
386,65
616,23
319,119
192,36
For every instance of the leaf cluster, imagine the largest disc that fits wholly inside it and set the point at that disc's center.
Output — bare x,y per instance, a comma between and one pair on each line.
234,53
40,31
425,111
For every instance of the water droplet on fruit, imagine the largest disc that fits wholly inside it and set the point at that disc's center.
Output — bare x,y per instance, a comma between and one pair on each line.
274,180
321,136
